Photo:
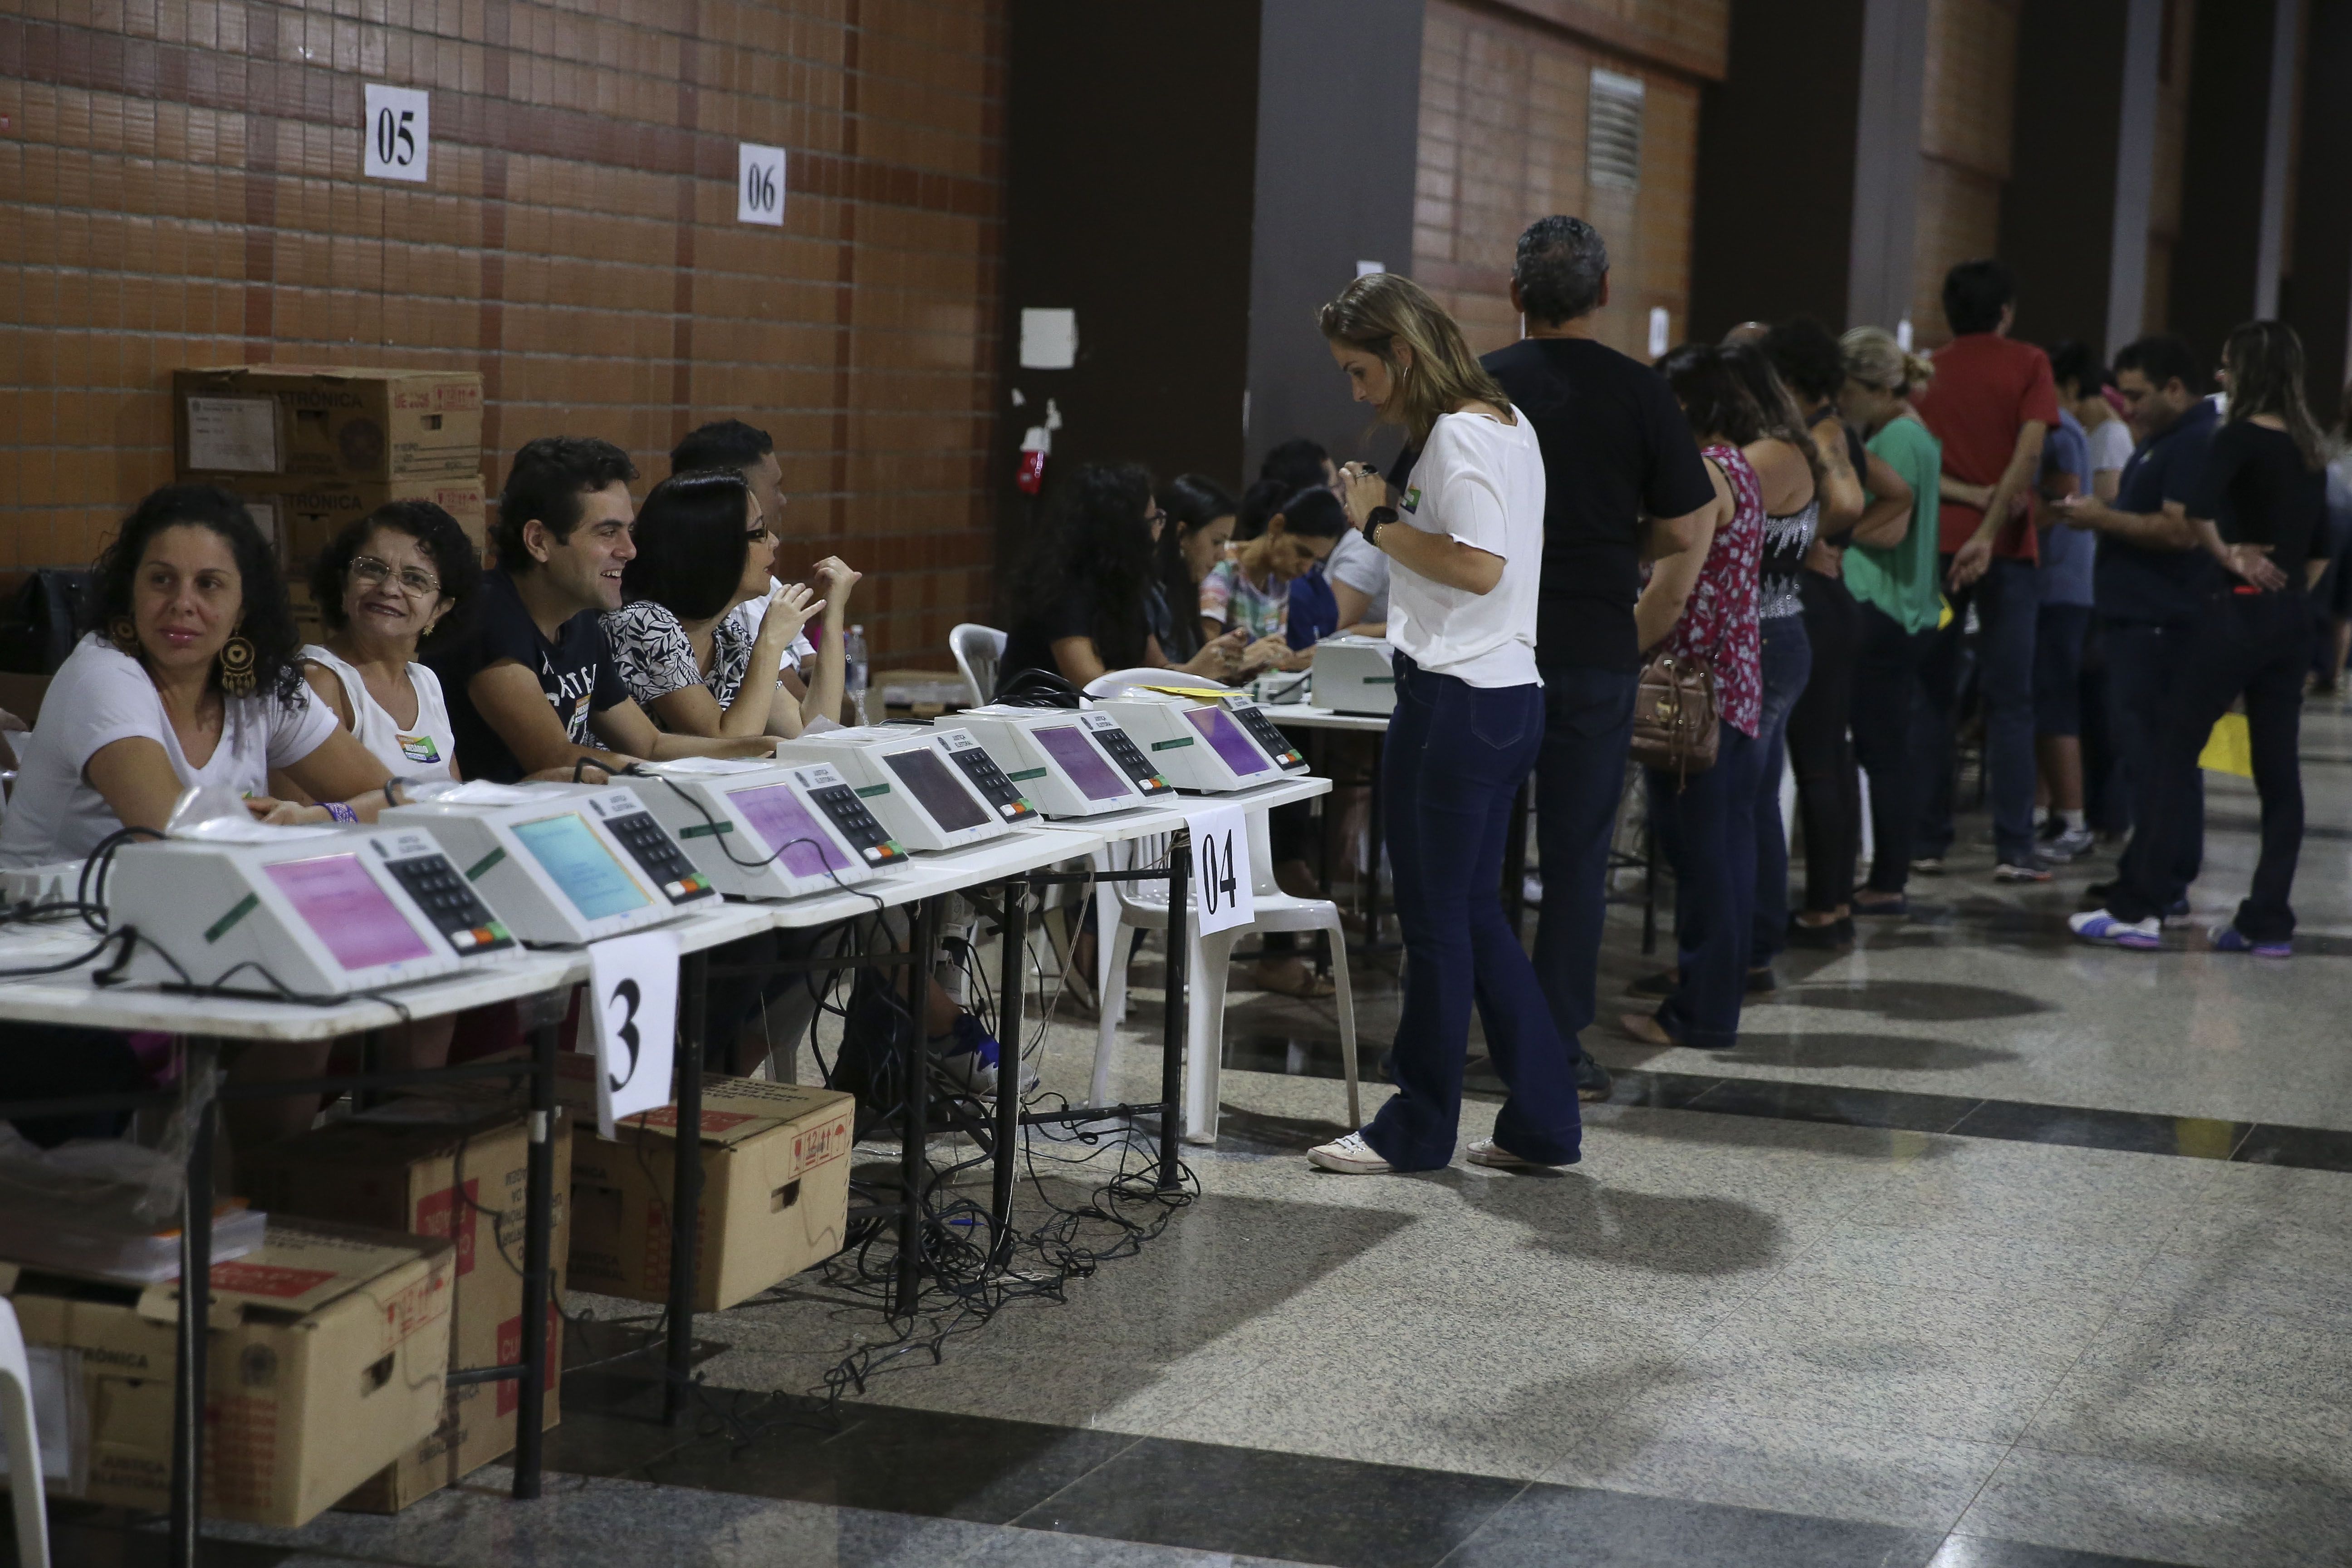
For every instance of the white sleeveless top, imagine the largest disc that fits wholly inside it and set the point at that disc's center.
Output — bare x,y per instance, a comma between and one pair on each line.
425,750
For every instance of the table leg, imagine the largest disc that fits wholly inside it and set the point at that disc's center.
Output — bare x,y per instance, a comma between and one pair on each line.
538,1239
1175,1014
686,1181
915,1133
1010,996
196,1059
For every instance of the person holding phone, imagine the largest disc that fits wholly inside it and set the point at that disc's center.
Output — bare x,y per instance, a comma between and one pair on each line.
1466,549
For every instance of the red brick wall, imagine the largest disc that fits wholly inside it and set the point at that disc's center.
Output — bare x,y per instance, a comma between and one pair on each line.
1503,132
179,185
1964,147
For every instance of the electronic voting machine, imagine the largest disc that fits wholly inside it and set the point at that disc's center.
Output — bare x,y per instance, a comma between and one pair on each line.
768,830
1071,762
1202,739
313,912
565,863
1354,675
910,779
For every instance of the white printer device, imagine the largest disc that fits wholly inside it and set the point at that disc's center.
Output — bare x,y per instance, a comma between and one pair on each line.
1354,675
768,830
565,863
311,911
920,787
1070,761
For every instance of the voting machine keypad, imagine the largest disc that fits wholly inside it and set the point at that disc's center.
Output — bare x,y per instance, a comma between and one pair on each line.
660,858
1268,734
864,831
1129,757
450,903
1001,792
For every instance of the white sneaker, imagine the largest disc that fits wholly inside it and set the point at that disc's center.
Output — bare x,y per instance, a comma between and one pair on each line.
1486,1151
1350,1156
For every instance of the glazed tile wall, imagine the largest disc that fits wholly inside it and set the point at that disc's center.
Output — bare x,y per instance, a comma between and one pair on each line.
1504,99
179,185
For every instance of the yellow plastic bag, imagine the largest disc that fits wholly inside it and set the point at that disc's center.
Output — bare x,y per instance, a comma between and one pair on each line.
2229,749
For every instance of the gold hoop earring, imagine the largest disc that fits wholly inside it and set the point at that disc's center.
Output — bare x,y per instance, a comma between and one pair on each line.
237,660
123,633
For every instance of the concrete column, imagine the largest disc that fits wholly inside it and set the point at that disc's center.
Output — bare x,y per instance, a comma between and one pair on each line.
1891,102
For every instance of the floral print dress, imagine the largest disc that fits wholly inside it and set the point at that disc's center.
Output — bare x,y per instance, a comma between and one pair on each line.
1719,624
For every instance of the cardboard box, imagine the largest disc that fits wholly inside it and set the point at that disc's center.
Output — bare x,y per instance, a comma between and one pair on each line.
323,421
326,1357
775,1190
399,1167
302,516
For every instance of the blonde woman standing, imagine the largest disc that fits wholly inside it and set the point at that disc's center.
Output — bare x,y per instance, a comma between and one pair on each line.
1466,548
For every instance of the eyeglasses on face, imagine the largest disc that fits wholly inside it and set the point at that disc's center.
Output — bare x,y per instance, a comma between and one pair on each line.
369,571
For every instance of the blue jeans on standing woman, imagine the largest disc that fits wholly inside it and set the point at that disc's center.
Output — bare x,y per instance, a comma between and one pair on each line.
1456,757
2008,600
1788,660
1705,830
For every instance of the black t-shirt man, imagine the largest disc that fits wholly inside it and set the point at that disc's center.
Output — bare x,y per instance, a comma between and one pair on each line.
576,671
2132,583
1616,447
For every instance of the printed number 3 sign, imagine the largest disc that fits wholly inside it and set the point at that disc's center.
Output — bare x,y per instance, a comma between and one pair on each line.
1221,869
398,136
632,987
759,185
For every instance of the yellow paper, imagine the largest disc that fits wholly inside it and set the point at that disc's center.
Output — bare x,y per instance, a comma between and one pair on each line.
1206,693
2229,749
1943,611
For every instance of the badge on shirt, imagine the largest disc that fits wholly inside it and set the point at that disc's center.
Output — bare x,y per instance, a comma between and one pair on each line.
1412,499
418,748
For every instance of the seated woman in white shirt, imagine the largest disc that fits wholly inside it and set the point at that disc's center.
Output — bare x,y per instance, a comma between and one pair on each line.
704,549
187,677
1466,546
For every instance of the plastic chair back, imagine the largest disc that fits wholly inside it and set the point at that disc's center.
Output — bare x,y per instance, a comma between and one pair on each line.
978,652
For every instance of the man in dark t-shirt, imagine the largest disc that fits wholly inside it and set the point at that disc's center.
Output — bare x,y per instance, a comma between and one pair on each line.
1616,451
531,684
2146,585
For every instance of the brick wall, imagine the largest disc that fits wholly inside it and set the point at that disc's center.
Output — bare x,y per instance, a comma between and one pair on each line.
2171,138
1504,99
179,185
1964,145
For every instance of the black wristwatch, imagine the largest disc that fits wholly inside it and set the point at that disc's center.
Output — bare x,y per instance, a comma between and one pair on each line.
1378,518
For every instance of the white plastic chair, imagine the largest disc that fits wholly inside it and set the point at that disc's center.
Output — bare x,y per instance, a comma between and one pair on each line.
978,652
1123,907
27,1494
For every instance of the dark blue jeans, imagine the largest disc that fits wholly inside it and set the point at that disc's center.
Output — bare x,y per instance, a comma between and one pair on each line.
1579,778
2008,600
2258,647
1705,830
2147,666
1788,659
1456,757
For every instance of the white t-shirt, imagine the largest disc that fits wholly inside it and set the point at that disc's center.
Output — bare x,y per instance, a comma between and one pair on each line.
1481,481
102,696
751,612
424,749
2111,445
1362,567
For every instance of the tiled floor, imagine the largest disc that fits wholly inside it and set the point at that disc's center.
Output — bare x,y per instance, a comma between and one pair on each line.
1950,1263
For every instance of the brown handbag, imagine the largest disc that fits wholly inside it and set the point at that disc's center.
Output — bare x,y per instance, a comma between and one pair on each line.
1674,716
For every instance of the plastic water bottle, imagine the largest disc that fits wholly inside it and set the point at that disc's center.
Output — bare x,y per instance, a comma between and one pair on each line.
853,679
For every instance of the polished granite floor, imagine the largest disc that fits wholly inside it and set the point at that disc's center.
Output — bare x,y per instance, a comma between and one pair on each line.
1983,1249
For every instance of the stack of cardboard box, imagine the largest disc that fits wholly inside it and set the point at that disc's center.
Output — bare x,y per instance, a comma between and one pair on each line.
311,449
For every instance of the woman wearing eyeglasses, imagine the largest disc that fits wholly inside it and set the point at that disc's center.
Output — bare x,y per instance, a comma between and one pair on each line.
384,586
704,548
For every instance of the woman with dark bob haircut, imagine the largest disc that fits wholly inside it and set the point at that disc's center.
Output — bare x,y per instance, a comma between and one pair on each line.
186,676
704,548
388,584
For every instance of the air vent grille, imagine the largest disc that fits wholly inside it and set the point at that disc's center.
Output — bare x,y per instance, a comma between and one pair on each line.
1613,134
